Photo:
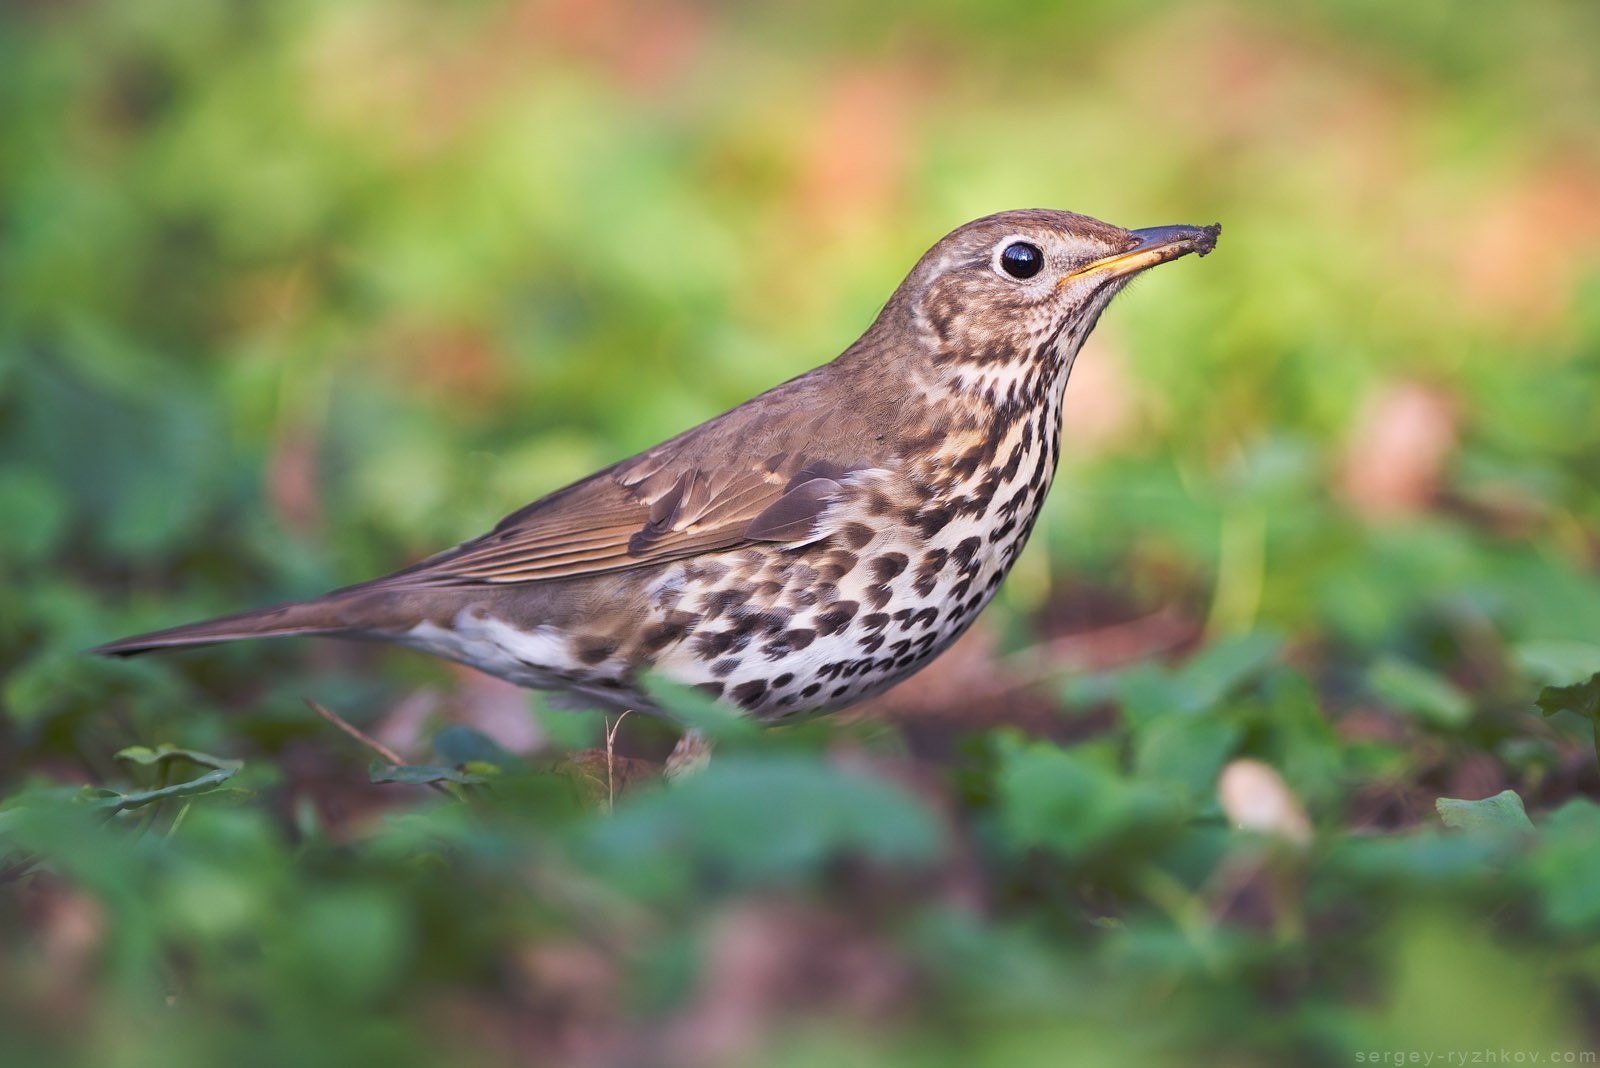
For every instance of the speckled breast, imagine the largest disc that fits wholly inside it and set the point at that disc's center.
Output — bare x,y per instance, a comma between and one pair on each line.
780,633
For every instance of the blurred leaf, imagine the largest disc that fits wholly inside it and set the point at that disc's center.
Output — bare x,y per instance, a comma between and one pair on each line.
1456,983
1502,812
1426,858
203,784
35,514
1221,668
1565,865
354,942
1421,692
420,774
755,816
1294,734
152,488
1186,750
1074,802
1557,663
461,746
722,725
1582,699
162,754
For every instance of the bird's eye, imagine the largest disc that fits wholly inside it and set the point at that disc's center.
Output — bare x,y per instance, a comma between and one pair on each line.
1022,260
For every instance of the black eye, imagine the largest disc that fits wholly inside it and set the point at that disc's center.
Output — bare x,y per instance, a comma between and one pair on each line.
1022,260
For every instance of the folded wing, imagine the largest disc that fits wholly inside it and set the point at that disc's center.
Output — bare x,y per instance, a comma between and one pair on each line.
645,511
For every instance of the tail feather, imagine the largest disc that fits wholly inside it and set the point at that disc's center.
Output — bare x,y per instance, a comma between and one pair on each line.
278,621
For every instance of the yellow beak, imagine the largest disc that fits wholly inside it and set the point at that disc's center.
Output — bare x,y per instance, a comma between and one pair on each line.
1157,244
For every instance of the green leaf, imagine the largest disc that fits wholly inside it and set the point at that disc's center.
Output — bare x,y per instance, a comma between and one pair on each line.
1147,694
693,709
461,746
35,511
420,774
1420,692
353,943
1582,698
1557,663
161,754
1222,668
1075,802
1502,812
118,801
1185,750
1565,865
756,816
222,769
1425,856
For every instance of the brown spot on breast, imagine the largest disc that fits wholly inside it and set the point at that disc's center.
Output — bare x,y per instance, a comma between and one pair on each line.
768,622
932,519
717,602
595,649
968,504
749,693
710,644
1013,463
999,533
964,552
888,565
928,572
836,618
660,635
800,637
704,572
856,535
1013,502
837,565
967,463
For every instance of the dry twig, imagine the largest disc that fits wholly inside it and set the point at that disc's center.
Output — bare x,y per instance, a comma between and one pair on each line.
365,739
611,758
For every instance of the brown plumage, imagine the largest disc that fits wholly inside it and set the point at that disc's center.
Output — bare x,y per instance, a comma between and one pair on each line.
813,545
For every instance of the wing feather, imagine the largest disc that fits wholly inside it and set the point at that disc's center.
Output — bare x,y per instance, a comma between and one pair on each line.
747,477
616,521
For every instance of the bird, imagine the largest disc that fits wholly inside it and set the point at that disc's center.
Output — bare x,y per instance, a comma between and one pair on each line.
804,550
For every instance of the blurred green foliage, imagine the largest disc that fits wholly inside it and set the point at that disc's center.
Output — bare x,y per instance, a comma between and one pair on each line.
292,293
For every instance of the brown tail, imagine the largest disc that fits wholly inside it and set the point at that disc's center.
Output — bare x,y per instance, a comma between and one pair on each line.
279,621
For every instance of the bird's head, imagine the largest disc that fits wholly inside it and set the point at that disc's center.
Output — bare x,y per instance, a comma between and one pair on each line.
1003,303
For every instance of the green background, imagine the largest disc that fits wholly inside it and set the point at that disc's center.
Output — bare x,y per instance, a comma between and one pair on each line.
293,293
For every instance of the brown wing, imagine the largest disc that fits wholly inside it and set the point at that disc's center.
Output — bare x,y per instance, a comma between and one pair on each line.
644,511
766,471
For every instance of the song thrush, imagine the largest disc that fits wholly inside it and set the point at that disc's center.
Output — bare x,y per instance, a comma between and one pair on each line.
812,546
